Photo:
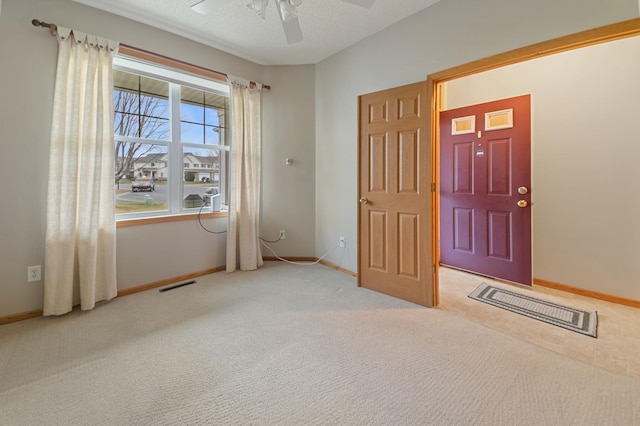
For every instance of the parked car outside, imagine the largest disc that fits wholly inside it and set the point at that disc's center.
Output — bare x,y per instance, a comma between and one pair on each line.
143,184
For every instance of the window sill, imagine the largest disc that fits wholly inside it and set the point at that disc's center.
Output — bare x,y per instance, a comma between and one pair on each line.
125,223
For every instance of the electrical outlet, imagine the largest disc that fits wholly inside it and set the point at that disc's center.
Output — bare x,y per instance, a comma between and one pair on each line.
282,235
34,273
342,241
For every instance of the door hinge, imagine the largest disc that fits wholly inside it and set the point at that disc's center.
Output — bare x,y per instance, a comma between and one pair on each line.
433,187
433,268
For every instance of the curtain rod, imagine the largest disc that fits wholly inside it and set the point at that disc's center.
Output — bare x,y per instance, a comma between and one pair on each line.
134,51
53,28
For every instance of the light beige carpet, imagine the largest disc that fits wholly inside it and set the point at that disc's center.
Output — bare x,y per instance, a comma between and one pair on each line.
290,345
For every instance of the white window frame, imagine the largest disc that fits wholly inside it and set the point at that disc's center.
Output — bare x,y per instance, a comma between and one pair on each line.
175,147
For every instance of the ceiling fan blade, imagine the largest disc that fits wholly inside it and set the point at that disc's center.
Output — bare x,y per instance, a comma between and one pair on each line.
259,7
292,30
207,6
363,3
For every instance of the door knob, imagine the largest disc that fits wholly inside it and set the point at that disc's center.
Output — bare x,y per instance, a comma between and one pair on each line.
523,190
523,203
363,200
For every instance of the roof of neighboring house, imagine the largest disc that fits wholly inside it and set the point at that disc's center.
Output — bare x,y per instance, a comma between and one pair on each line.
151,158
200,158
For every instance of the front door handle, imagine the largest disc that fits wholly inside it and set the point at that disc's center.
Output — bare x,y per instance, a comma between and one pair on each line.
523,203
363,200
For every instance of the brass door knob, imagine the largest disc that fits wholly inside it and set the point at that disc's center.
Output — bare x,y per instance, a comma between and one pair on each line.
523,203
363,200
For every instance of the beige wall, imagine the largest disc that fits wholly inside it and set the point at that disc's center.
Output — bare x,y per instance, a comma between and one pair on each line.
148,253
449,33
586,228
288,191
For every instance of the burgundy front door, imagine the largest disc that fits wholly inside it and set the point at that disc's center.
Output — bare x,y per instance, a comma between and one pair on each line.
485,193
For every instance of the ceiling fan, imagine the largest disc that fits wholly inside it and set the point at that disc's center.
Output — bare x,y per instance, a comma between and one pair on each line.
286,9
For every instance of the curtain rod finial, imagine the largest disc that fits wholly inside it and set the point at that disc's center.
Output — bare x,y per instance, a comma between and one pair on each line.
53,28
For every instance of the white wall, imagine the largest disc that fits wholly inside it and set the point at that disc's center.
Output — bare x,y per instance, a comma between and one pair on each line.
586,228
153,252
449,33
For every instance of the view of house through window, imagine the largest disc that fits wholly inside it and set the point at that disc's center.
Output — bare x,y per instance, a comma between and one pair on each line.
171,141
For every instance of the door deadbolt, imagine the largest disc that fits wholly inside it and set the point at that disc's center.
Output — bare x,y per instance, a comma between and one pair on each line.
523,190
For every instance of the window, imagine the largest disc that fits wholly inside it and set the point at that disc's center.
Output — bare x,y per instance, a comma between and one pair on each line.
171,128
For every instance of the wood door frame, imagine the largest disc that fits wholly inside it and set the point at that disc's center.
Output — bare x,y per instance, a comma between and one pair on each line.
435,93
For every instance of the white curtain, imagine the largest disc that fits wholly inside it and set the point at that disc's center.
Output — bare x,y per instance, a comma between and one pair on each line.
243,238
80,238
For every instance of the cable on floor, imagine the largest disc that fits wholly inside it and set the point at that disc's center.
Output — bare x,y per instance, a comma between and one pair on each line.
270,241
299,263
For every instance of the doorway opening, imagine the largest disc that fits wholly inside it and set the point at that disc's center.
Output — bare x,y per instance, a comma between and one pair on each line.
436,86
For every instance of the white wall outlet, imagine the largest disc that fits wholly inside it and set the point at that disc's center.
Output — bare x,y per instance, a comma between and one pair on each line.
34,273
282,235
342,241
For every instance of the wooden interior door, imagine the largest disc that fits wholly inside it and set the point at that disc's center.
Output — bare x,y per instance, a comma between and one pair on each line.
485,189
394,255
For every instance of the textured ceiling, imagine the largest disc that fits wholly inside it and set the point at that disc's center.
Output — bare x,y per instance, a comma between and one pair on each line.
328,26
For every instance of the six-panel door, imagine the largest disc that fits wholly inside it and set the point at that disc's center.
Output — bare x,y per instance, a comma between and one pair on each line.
394,192
485,189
